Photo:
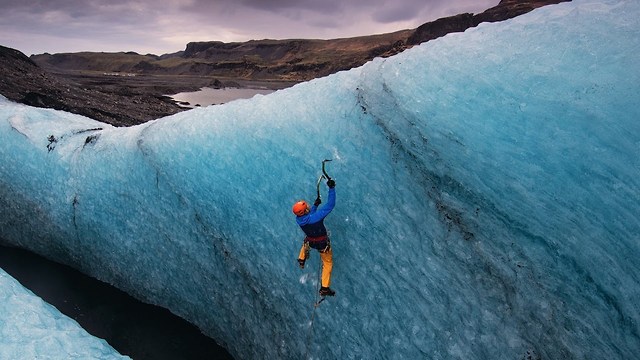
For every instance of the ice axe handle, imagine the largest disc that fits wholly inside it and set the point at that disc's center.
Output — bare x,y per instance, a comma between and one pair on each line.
325,171
318,185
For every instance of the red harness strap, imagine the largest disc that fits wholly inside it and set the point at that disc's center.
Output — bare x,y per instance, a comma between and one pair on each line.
316,239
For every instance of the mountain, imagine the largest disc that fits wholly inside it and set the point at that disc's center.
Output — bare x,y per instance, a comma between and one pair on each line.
293,60
127,88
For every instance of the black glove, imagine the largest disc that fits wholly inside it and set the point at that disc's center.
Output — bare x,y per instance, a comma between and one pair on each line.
331,183
317,202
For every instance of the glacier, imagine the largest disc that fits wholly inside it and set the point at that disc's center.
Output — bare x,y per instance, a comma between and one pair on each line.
33,329
488,192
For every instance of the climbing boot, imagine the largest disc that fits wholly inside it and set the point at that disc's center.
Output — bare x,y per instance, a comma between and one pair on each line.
301,263
326,291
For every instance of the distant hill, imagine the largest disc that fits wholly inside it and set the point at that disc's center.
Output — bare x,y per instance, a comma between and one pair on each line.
127,88
271,60
293,60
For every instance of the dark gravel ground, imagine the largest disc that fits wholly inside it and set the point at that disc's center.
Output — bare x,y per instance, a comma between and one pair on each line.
21,80
119,100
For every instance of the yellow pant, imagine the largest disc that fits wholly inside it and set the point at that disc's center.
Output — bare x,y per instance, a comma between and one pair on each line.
327,261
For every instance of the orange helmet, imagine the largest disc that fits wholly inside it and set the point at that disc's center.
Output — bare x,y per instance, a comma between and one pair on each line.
300,208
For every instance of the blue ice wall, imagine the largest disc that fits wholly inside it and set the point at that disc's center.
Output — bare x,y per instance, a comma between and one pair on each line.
488,199
33,329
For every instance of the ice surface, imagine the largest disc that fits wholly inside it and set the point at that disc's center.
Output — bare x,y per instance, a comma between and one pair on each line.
33,329
488,192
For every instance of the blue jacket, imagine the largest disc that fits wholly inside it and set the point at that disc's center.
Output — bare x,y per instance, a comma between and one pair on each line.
313,223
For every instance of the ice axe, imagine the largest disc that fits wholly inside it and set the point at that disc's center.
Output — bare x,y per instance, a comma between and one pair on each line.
323,176
318,186
325,171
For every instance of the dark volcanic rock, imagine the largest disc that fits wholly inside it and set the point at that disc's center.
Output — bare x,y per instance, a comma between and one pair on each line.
506,9
23,81
441,27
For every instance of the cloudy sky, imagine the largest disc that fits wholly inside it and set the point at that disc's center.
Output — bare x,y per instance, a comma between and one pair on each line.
166,26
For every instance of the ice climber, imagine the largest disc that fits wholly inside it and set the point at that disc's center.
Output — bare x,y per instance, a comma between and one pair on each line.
311,221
